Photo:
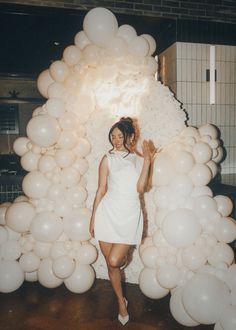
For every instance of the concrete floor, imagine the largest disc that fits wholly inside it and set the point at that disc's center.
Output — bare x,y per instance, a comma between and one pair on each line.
33,307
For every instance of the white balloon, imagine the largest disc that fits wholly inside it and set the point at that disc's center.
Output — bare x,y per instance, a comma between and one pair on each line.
202,152
56,191
10,250
213,167
81,165
12,234
72,55
81,279
181,185
43,130
149,256
228,318
225,230
63,266
46,226
11,275
193,258
46,276
64,158
19,216
77,195
62,206
42,249
208,129
83,148
159,216
204,297
224,205
58,250
81,40
55,107
117,47
151,67
231,277
183,162
139,46
222,253
3,235
76,224
46,163
35,185
190,132
127,32
31,277
167,276
178,311
29,262
20,146
21,198
163,171
200,174
149,285
69,177
203,205
67,139
219,156
161,197
59,71
181,227
100,26
44,81
56,90
68,121
201,190
86,254
151,41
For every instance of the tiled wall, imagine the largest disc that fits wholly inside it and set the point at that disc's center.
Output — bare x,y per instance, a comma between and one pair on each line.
184,68
211,10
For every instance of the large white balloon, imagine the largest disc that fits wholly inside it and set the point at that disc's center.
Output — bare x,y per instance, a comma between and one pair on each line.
11,275
163,171
10,250
200,174
224,205
43,130
149,256
86,254
19,216
225,230
63,266
127,32
202,152
193,258
42,249
183,161
100,26
35,185
167,276
46,226
181,227
204,298
46,275
178,311
59,71
81,279
150,286
44,81
29,161
208,129
222,253
76,225
29,262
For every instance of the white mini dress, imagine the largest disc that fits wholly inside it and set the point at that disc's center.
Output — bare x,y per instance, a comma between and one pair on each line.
118,218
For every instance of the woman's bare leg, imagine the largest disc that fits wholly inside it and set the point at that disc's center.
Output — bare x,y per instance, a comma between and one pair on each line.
115,255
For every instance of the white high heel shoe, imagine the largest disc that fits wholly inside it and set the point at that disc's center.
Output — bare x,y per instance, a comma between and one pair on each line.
124,319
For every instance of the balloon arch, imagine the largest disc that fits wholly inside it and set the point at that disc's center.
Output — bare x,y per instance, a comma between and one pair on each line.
107,73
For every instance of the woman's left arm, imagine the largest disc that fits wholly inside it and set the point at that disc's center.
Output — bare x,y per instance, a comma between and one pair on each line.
143,178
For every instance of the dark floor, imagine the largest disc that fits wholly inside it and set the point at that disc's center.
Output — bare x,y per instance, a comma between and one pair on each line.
33,307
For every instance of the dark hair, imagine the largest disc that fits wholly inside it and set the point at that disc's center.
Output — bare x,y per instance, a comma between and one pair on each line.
126,126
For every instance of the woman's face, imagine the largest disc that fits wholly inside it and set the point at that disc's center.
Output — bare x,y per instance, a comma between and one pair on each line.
117,139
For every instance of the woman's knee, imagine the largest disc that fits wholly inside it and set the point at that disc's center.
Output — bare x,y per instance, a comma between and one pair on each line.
114,261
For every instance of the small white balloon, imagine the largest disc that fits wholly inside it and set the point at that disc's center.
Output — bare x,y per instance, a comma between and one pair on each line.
29,262
35,185
55,107
63,266
81,279
139,46
59,71
20,146
43,82
224,205
150,286
72,55
86,254
81,40
200,174
127,32
11,275
46,276
151,41
167,276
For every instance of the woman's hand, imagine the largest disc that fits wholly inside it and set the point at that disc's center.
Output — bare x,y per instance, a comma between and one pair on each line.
149,150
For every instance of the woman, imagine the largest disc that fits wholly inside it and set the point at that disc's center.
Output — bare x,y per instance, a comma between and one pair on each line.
117,221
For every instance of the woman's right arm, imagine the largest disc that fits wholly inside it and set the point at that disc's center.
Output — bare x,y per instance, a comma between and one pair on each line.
102,189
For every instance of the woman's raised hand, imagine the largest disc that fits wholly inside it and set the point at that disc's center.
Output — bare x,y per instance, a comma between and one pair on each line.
149,150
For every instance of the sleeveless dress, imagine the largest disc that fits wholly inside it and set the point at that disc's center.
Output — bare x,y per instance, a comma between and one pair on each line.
118,218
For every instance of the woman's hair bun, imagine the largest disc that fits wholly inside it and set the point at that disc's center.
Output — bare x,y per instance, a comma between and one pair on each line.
127,119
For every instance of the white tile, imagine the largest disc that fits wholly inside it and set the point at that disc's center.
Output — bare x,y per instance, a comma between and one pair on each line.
178,49
227,93
189,70
199,51
189,92
205,86
194,92
184,93
189,50
223,55
222,94
194,70
222,72
204,67
193,51
184,69
227,72
217,92
227,53
199,71
198,93
231,94
231,53
218,53
205,52
232,78
179,90
179,68
184,50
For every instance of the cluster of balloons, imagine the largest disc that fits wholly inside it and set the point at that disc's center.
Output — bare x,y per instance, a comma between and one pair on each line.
188,254
44,234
